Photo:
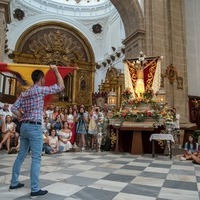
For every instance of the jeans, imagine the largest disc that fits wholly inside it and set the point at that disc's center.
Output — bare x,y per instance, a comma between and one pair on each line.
30,137
48,149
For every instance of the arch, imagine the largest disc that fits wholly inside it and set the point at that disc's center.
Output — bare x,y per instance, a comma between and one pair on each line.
131,14
17,31
58,37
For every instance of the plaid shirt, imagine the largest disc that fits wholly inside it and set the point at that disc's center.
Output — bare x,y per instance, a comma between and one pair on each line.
32,101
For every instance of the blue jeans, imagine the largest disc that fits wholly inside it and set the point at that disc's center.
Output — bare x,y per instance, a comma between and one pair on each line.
30,137
48,149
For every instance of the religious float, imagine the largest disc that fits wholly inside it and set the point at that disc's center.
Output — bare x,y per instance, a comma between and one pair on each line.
143,109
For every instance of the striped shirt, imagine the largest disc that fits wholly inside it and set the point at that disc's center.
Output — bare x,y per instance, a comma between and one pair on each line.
32,101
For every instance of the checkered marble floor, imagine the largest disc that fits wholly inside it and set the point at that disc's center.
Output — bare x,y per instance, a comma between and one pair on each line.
106,176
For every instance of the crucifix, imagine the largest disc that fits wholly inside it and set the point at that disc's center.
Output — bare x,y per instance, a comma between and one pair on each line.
139,65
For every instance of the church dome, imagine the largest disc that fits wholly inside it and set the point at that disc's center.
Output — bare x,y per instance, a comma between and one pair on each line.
76,8
81,2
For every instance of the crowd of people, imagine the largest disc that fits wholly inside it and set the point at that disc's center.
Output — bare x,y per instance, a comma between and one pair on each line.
53,129
64,128
30,127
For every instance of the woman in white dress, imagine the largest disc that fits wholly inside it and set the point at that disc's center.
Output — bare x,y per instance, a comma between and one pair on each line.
71,123
64,136
53,145
8,133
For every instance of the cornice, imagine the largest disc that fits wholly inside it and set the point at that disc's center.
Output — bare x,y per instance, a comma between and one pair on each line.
76,11
136,34
5,6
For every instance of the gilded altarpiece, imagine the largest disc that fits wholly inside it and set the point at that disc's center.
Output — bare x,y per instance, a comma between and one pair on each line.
57,43
114,81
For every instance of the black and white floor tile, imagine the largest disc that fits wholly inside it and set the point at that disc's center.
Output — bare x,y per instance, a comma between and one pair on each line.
105,176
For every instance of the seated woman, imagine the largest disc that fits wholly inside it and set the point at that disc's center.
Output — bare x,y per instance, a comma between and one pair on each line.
191,149
53,145
9,134
64,136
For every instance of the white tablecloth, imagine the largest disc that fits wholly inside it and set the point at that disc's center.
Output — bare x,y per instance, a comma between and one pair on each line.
161,136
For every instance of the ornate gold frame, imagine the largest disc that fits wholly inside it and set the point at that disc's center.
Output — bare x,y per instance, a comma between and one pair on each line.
172,74
59,43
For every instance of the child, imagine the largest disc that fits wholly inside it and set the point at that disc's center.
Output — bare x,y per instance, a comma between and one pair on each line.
92,129
191,148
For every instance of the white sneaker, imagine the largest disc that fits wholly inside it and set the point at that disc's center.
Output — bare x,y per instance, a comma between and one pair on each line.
83,149
182,158
75,146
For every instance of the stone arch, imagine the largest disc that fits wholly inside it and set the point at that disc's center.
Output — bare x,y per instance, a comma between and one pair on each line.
131,15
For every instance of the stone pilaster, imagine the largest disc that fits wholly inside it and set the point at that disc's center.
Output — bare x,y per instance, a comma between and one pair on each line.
4,20
165,35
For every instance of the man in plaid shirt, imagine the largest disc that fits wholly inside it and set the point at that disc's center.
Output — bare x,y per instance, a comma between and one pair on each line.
29,107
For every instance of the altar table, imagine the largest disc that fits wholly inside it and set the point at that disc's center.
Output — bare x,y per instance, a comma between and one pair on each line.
136,128
139,128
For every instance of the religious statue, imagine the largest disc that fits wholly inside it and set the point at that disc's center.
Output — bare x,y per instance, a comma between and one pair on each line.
139,85
139,66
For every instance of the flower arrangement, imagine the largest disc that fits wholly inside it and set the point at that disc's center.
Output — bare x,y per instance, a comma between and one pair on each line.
168,115
155,115
148,94
140,108
127,94
137,116
148,97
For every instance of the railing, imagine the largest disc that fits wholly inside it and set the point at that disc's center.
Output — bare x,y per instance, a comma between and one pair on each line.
8,88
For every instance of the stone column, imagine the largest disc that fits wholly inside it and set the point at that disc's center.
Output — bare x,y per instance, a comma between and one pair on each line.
165,35
4,20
